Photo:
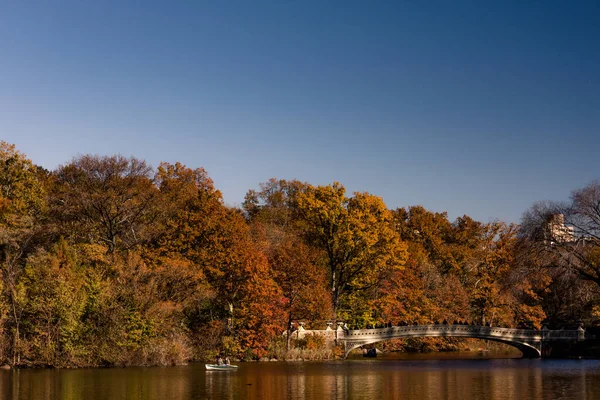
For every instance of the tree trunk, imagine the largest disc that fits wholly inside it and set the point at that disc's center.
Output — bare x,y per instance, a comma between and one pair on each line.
16,354
335,310
334,295
289,333
230,322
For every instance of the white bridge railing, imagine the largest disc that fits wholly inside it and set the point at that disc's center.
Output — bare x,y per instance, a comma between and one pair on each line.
474,331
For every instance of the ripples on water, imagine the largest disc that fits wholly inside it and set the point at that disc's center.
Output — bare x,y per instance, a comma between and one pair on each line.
433,376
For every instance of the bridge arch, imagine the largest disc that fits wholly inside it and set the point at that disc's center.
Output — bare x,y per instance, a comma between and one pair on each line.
529,342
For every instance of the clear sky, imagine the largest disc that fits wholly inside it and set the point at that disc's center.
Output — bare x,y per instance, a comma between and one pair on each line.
470,107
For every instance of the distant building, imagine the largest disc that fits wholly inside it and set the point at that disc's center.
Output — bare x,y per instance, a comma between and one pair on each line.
557,231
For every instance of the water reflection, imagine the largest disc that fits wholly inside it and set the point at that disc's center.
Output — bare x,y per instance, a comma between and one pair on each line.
387,378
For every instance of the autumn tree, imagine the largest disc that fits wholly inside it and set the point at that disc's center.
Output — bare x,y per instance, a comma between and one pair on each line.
564,239
246,292
102,199
452,247
195,221
467,268
216,242
53,299
22,203
492,295
276,227
276,203
428,229
440,262
296,270
356,235
567,235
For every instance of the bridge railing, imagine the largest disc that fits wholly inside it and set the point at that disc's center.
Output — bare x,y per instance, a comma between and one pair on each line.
564,334
464,330
442,330
444,327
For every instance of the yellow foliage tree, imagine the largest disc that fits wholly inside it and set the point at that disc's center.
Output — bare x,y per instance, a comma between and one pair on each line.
356,235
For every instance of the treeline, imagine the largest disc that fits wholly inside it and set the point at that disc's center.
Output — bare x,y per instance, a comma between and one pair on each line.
106,261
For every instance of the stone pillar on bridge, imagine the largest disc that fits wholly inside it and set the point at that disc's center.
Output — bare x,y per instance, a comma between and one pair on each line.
545,333
300,331
580,333
339,332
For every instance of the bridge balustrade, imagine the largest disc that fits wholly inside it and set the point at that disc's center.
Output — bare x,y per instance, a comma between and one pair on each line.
449,328
529,341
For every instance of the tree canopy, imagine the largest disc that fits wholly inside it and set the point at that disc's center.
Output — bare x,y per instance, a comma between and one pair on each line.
108,261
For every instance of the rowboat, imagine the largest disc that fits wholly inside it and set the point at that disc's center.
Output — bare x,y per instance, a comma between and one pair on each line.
217,367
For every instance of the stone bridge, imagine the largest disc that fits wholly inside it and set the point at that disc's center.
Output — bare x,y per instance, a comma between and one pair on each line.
529,341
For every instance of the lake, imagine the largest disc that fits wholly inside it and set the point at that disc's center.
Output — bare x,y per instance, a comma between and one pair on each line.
396,376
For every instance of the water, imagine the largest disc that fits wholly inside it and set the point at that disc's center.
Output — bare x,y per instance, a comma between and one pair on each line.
430,376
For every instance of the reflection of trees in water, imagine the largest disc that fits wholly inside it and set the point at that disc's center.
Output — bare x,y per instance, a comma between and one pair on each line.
90,384
220,384
359,379
296,386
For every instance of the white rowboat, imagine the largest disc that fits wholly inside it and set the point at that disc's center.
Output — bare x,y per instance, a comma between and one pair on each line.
217,367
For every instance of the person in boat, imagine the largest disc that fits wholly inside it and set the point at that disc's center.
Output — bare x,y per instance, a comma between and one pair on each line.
220,361
227,362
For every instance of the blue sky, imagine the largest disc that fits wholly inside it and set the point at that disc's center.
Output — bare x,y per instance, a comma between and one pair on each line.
470,107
